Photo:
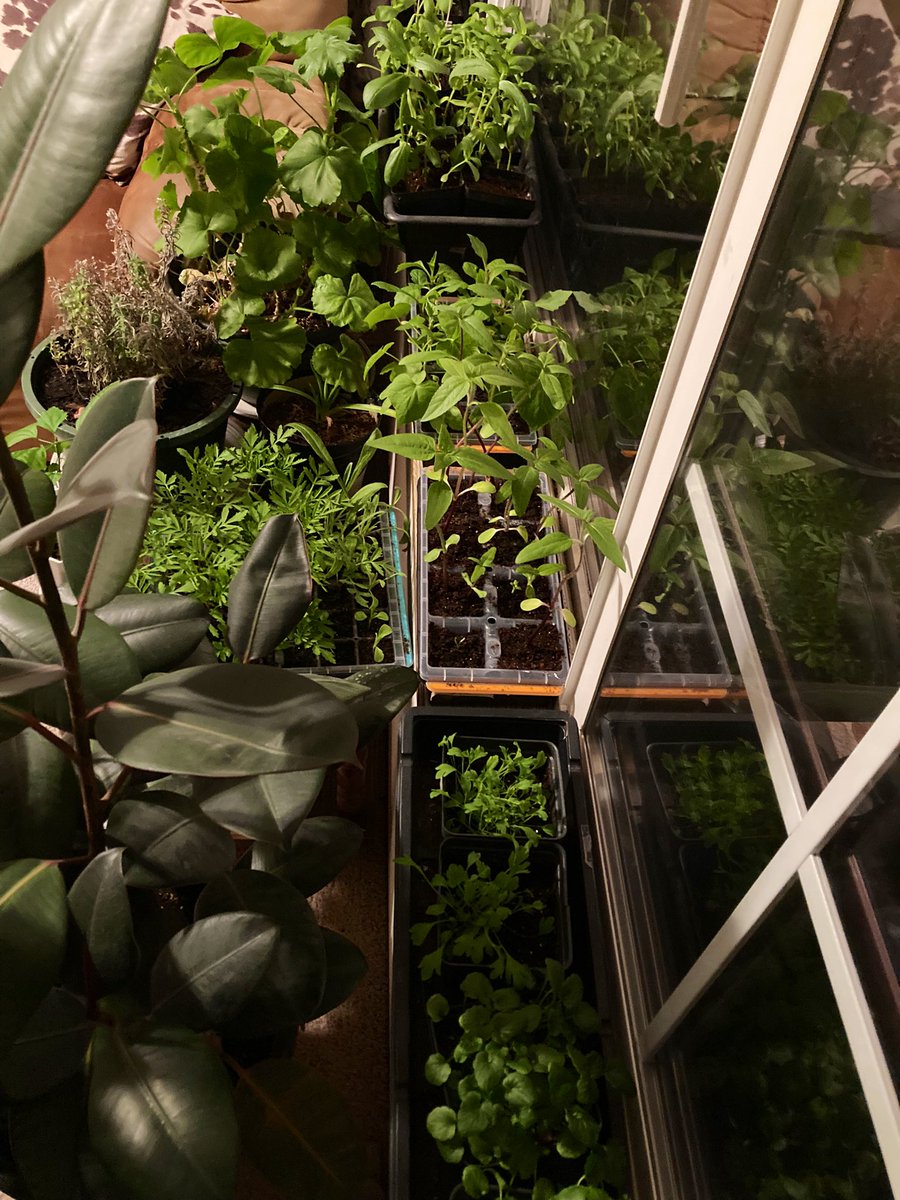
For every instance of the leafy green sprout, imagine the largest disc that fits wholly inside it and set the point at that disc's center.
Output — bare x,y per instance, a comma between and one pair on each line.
468,919
523,1083
45,452
204,521
499,791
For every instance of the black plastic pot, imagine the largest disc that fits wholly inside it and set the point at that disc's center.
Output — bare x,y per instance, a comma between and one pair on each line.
210,431
500,222
547,876
482,632
453,825
416,1168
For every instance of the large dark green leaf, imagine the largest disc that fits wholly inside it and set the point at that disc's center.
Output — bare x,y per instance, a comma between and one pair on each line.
160,1116
21,296
107,665
388,691
44,1135
169,841
294,982
17,676
59,124
294,1126
41,497
320,848
49,1049
161,631
98,900
207,971
110,541
116,477
345,965
33,919
265,807
40,805
228,719
271,591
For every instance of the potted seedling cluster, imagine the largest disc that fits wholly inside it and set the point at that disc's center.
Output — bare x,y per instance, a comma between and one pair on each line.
492,988
205,518
459,121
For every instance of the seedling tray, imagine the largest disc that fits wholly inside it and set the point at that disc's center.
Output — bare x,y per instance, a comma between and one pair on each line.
416,1170
423,235
452,826
354,650
665,644
485,630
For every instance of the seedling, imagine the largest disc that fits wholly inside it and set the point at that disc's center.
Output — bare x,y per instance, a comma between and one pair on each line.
493,792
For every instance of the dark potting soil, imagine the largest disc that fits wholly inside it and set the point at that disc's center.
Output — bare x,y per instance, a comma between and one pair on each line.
341,427
510,597
447,648
353,644
179,402
531,648
494,182
450,596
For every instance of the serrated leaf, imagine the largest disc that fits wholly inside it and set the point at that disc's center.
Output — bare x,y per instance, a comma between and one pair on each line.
269,353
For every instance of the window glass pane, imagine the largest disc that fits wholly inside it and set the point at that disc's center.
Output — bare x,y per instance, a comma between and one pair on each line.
698,821
774,1100
863,864
799,434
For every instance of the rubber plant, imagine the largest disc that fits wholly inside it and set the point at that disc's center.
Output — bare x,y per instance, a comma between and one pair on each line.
134,960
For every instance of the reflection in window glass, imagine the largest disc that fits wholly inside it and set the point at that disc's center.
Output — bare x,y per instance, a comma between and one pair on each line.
774,1093
695,804
864,867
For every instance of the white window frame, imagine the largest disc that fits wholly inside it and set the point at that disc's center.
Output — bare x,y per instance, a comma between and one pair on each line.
799,37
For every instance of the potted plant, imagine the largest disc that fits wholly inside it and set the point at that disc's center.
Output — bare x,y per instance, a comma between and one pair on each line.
334,402
494,788
205,519
266,212
444,1013
120,319
105,1051
461,117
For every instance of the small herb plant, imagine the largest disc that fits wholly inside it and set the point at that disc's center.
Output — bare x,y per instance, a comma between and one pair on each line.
625,340
725,797
460,90
602,90
204,521
341,376
493,792
469,917
120,319
524,1084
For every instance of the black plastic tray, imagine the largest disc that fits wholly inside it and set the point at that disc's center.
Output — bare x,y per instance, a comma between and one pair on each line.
416,1170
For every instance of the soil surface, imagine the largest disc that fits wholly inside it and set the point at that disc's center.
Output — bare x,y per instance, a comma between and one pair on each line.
450,596
513,185
510,597
531,648
341,427
179,402
446,648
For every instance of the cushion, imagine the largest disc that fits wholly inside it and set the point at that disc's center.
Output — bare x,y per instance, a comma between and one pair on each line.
18,19
138,208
